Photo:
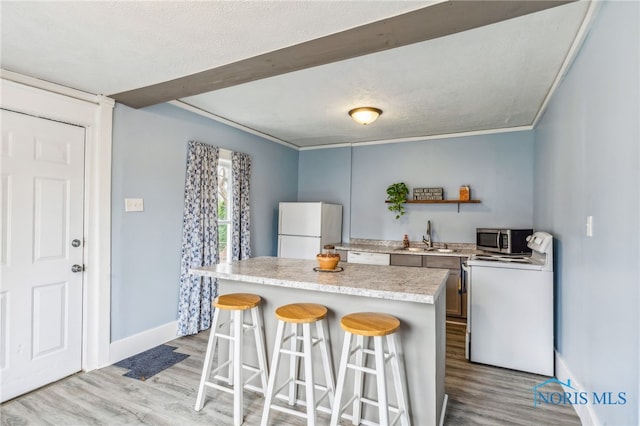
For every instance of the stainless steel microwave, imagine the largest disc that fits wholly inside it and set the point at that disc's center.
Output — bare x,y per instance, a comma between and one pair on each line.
503,240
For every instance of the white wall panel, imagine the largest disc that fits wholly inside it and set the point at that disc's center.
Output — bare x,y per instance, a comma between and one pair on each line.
50,306
51,204
52,151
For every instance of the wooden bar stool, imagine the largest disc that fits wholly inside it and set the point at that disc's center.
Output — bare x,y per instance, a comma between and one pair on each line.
365,325
236,304
304,314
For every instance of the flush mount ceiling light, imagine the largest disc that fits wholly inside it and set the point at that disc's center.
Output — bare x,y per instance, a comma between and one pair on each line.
365,115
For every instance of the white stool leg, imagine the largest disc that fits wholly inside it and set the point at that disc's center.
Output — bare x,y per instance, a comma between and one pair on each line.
230,348
260,346
294,363
237,367
357,381
344,359
268,399
208,360
327,364
383,403
308,374
397,380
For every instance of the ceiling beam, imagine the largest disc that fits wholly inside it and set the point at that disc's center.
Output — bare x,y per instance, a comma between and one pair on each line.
438,20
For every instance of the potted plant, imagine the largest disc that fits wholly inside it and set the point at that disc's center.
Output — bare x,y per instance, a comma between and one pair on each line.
397,196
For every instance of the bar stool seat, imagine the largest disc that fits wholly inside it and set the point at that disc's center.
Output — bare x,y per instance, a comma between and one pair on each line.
236,305
241,301
303,314
366,325
300,313
370,324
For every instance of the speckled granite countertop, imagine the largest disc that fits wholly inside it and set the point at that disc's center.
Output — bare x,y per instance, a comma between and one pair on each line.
421,285
395,247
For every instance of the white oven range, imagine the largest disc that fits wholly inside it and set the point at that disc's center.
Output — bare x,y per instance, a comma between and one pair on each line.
510,320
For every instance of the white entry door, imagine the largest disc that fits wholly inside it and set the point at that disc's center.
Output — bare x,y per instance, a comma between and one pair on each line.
41,194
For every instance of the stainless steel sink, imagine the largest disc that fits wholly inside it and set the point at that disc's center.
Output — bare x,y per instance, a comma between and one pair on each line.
442,250
427,249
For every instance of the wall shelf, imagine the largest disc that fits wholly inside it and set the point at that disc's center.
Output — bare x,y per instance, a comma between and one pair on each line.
442,201
458,202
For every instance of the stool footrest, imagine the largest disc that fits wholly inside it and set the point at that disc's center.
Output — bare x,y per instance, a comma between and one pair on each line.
376,404
230,390
219,387
362,421
288,411
256,370
254,388
387,355
224,336
291,353
302,402
363,369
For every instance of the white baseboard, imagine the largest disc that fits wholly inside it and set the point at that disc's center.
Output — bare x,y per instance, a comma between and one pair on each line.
443,413
585,412
140,342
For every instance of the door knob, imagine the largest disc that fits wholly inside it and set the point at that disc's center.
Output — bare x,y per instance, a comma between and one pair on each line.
77,268
76,243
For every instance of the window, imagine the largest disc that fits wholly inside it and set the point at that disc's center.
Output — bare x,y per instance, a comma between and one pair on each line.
225,202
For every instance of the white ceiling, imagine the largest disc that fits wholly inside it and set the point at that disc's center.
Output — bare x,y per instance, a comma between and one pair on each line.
486,79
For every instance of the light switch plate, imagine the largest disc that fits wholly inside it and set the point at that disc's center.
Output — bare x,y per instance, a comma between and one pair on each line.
133,205
589,226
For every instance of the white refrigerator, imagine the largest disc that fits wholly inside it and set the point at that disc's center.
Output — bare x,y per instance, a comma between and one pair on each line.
305,228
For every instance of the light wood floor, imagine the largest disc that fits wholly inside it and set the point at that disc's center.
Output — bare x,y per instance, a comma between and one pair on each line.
485,395
478,395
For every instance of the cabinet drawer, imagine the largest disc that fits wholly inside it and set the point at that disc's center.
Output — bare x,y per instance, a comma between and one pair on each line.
405,260
368,258
444,262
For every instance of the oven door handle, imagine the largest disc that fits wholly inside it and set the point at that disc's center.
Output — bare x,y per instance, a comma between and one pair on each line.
462,287
498,241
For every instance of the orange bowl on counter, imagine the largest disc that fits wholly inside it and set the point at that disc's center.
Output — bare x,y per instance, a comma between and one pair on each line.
328,261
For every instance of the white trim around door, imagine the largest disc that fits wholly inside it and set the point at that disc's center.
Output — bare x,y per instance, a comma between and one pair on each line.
42,99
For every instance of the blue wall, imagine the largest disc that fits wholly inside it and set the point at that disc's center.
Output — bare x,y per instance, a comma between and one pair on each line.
325,175
149,162
498,167
586,163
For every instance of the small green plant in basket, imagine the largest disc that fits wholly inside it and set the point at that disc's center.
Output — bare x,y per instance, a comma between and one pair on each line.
397,196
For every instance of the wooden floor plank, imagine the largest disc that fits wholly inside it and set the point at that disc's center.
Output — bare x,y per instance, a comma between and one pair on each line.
478,395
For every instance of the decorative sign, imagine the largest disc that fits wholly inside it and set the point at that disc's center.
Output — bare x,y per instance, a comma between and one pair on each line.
428,194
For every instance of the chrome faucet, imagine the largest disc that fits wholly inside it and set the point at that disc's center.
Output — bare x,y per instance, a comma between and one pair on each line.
427,239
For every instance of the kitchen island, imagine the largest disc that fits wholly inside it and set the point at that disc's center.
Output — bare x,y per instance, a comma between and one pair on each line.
414,295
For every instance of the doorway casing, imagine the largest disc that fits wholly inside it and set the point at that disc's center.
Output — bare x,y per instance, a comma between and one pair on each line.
95,113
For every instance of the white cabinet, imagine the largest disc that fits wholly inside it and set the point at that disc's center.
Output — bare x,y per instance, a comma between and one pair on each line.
368,258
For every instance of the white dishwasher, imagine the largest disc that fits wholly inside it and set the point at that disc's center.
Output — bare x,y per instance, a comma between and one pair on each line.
368,258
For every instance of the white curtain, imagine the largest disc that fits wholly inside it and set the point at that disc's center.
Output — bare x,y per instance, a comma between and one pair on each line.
199,237
241,176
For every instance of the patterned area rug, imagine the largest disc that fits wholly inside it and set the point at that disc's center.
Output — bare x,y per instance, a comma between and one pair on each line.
150,362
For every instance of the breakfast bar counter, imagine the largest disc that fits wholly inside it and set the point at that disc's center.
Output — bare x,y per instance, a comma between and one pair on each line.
415,296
